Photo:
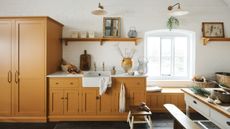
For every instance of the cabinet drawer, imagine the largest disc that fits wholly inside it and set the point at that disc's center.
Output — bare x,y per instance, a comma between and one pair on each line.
222,121
198,106
131,83
136,84
65,82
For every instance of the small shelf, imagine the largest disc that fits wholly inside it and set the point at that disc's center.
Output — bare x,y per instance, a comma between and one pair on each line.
101,40
206,40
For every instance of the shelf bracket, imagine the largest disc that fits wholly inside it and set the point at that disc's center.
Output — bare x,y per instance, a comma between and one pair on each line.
205,41
101,42
66,43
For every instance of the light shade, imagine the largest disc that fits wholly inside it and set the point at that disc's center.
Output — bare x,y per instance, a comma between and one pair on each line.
176,11
99,11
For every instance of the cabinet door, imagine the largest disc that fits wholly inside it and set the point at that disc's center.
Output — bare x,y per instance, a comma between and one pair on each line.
56,102
105,103
135,97
71,104
89,103
29,70
6,37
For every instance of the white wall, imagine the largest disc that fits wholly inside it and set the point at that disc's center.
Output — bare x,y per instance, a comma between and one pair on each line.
145,15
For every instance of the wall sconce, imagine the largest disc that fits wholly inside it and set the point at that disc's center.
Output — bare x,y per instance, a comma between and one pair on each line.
99,11
176,11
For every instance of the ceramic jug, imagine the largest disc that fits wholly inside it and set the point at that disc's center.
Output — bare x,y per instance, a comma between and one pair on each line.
127,64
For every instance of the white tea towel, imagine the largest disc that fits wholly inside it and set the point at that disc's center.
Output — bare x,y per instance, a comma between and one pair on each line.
105,82
122,98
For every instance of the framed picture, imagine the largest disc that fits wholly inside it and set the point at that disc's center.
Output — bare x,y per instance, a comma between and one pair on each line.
213,29
111,27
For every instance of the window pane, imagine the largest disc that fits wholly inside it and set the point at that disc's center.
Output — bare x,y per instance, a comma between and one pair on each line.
166,53
181,48
153,53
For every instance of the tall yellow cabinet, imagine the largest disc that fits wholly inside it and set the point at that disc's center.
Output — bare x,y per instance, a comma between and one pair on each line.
30,48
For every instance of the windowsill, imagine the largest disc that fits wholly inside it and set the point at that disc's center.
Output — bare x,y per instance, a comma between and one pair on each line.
170,83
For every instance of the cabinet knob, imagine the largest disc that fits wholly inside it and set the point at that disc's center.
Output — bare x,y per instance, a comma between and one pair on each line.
194,102
138,83
71,83
98,97
57,83
62,97
66,97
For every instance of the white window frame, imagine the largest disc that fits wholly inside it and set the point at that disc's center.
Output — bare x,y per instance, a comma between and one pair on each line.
190,53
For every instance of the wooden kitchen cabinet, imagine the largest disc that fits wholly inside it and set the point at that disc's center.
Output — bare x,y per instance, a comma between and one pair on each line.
89,101
26,44
64,96
85,103
156,100
6,30
64,102
135,89
108,103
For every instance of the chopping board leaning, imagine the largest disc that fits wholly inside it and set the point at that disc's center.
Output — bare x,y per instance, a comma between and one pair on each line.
85,61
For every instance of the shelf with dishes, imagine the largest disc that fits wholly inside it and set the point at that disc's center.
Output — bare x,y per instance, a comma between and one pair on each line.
101,40
205,40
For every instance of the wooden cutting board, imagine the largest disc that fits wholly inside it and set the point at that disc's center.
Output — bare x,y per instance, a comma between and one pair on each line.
85,61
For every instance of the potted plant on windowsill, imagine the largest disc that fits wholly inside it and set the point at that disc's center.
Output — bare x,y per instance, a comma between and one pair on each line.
172,23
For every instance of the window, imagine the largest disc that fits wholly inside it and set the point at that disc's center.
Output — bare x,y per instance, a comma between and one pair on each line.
170,55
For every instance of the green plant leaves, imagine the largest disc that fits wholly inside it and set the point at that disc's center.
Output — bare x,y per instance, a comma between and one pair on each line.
172,22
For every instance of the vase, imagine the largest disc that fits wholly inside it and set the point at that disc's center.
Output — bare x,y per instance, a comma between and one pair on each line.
132,32
127,64
142,66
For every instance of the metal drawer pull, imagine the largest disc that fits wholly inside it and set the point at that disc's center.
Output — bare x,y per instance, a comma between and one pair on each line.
228,123
16,77
194,102
9,76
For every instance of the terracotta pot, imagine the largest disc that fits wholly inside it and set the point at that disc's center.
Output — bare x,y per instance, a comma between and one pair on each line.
127,64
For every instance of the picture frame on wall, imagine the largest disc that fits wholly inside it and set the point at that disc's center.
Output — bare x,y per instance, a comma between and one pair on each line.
213,29
112,27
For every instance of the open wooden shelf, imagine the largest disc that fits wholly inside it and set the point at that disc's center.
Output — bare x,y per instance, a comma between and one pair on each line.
206,40
101,40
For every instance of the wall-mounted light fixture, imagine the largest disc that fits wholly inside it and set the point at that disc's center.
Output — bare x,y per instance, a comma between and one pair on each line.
176,11
99,11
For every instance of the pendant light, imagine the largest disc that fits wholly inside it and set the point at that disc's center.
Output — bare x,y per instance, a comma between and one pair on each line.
99,11
176,11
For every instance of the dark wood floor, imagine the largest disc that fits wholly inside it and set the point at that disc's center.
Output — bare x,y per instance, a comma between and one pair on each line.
160,121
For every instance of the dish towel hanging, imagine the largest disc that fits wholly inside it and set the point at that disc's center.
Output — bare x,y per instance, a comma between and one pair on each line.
105,82
122,98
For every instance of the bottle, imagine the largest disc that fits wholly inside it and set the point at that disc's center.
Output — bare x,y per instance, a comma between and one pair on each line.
113,71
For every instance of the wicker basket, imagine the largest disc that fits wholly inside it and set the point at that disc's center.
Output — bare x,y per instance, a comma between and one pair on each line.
208,84
223,78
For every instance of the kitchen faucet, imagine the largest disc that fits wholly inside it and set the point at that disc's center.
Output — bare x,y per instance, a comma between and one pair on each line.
95,68
103,66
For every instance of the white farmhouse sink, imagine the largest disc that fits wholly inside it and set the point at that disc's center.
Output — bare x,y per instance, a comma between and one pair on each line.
92,78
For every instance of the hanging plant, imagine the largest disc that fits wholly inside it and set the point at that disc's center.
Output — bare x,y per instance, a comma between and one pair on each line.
172,22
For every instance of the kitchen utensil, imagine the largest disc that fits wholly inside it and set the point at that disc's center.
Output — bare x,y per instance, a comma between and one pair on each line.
85,61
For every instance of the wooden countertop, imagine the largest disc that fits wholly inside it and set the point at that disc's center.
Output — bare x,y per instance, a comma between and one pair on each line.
219,108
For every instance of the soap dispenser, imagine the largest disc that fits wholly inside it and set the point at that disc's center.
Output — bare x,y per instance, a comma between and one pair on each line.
113,71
